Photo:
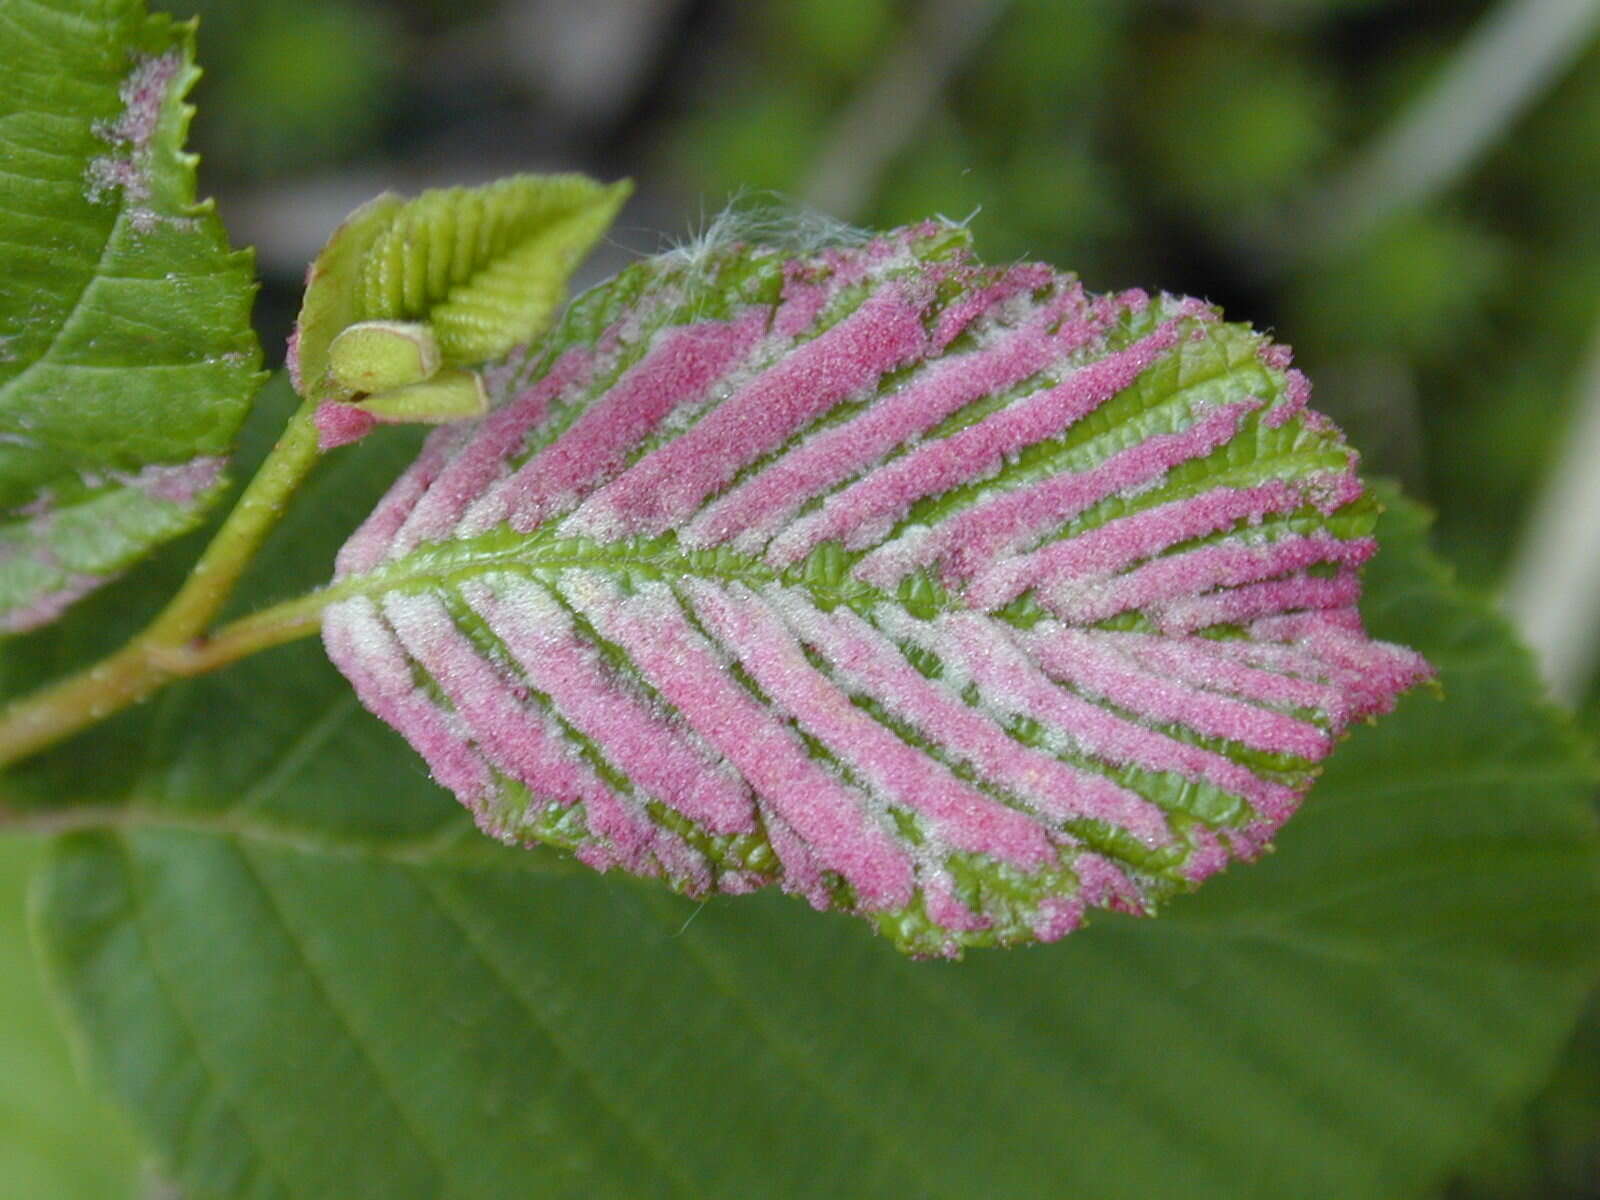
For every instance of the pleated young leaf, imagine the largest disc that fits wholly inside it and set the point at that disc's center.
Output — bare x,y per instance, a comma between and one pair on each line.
950,595
486,268
127,359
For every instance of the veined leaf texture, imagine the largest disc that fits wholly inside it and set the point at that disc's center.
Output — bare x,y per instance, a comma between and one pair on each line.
485,267
950,595
127,360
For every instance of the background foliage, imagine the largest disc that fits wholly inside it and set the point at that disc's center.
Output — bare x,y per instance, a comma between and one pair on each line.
1137,142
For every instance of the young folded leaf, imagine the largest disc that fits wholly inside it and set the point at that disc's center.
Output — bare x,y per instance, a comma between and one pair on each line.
127,359
948,595
479,270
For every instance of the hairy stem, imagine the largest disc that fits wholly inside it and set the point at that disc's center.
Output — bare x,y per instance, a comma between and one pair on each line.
174,645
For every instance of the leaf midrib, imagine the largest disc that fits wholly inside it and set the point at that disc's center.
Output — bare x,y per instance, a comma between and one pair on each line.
448,562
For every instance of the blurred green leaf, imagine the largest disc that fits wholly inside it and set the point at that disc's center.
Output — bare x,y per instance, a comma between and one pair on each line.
1061,203
1419,284
1551,1151
293,84
839,37
1227,122
941,174
57,1138
762,140
1558,156
1044,64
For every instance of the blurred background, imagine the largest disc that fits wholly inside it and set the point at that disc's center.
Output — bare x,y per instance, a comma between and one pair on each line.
1409,193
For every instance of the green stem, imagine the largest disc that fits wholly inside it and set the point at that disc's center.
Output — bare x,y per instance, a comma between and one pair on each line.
258,510
173,646
142,667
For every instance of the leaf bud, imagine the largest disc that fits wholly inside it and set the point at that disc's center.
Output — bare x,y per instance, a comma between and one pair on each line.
378,356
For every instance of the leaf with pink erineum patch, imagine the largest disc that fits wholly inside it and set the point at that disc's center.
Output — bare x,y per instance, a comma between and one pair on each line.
127,359
950,595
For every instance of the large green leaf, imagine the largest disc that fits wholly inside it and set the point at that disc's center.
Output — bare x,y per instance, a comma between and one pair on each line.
306,976
57,1139
126,354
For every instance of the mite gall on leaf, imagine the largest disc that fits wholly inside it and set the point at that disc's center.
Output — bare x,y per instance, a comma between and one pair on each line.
950,595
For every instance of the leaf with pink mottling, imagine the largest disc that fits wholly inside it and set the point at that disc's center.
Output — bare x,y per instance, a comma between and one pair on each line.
950,595
127,358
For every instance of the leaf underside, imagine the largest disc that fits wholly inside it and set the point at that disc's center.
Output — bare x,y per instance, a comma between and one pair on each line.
948,595
127,359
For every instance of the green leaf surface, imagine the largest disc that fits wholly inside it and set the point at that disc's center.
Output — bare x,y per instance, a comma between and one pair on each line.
127,359
57,1138
306,976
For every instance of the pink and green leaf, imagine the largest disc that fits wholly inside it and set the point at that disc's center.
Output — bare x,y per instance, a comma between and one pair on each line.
950,595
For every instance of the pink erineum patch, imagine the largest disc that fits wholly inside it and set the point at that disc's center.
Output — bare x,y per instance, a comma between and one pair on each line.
340,424
181,484
47,606
144,93
949,595
43,568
